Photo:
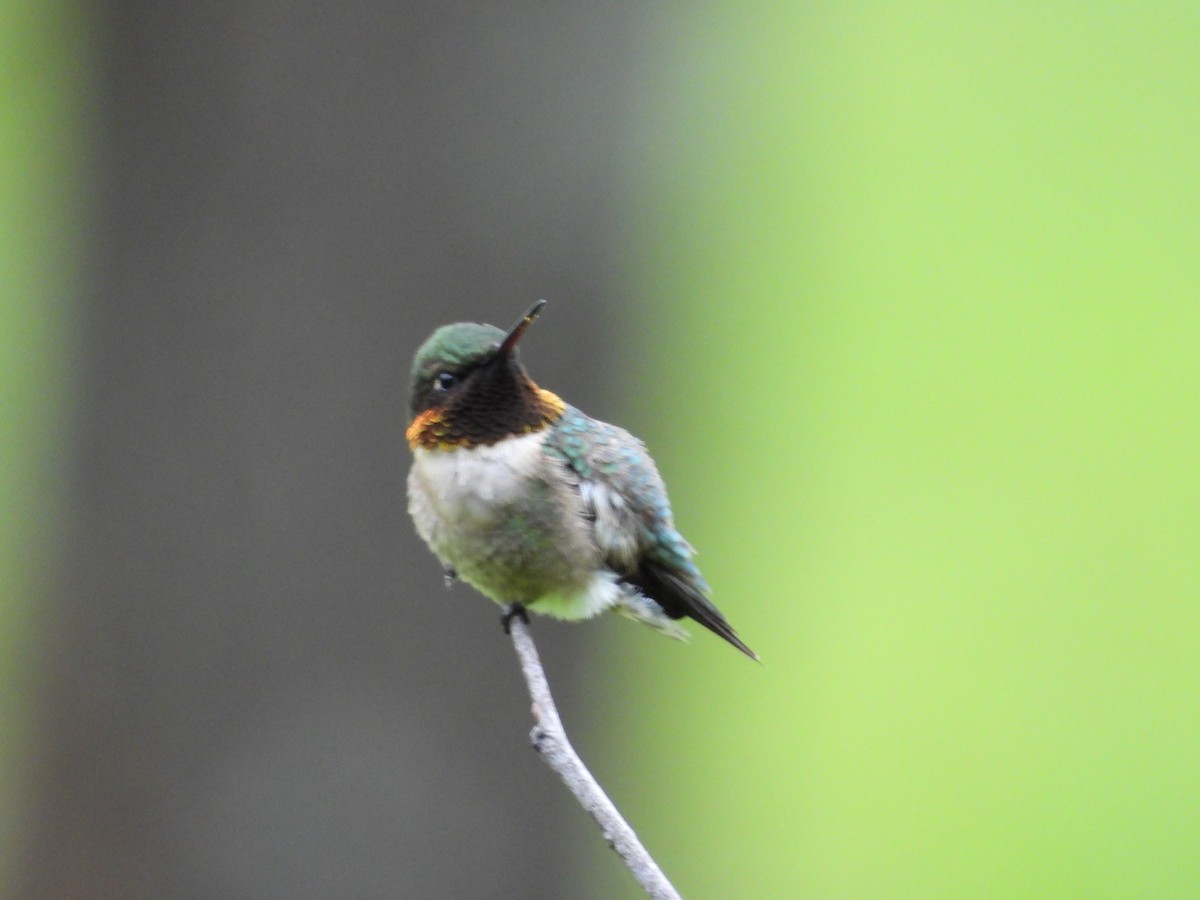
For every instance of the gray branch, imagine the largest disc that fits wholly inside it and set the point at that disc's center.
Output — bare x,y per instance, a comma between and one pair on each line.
550,740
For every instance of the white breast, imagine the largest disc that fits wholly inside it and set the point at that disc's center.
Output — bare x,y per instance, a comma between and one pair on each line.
471,483
512,539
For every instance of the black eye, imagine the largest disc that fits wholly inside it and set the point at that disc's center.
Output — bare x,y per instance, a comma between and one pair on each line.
444,381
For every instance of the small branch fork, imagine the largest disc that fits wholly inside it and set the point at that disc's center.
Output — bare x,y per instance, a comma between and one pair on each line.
550,740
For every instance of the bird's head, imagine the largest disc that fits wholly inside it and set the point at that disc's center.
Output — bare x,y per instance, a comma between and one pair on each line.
469,388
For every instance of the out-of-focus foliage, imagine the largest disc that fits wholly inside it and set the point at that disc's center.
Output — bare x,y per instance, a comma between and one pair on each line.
922,371
40,155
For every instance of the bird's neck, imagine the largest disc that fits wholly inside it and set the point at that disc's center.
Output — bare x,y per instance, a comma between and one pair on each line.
483,418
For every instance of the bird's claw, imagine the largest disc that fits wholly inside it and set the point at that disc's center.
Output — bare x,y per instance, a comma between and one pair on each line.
514,611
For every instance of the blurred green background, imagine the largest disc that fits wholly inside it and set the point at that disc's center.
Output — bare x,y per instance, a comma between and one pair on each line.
928,278
912,325
43,150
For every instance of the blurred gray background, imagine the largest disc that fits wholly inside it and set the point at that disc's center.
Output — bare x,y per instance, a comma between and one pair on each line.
257,685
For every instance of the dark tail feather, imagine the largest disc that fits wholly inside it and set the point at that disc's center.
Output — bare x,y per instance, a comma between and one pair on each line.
678,598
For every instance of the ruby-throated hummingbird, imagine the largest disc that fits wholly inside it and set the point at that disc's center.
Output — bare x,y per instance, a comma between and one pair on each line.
535,504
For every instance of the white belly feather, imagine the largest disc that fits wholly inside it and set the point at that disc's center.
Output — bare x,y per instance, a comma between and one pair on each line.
466,503
472,482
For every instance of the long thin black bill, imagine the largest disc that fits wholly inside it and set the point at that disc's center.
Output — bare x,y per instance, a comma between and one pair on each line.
510,340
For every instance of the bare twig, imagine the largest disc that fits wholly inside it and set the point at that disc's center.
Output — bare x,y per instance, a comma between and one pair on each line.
550,740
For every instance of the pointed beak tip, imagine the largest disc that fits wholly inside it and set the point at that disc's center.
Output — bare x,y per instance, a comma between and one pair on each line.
514,335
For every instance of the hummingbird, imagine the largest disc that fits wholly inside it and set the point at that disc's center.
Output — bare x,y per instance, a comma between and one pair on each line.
535,504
